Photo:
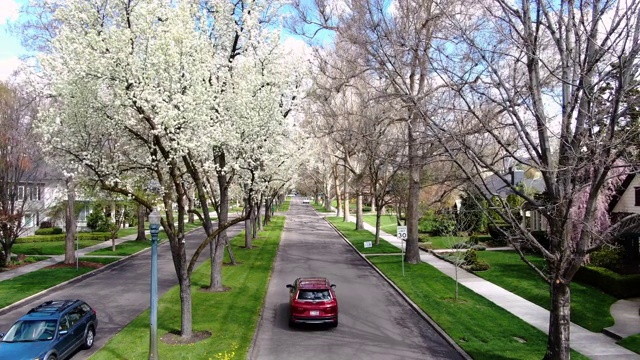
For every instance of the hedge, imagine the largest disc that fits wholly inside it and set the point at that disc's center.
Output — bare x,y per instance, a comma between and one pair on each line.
612,283
49,231
98,236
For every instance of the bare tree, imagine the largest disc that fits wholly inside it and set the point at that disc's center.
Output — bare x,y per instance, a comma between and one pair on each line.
550,86
19,164
394,46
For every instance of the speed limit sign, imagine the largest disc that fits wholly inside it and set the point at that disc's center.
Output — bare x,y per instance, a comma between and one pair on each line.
401,233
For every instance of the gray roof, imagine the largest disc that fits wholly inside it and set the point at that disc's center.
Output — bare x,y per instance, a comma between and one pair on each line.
493,185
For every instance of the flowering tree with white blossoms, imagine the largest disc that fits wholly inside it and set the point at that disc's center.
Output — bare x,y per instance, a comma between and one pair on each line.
142,92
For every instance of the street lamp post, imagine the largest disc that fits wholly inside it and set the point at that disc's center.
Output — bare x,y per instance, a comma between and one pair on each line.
154,229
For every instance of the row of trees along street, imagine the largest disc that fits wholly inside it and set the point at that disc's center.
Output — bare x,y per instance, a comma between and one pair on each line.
170,103
444,93
198,98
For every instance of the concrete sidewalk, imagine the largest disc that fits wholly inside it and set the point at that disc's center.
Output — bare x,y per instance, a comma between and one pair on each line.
54,259
594,345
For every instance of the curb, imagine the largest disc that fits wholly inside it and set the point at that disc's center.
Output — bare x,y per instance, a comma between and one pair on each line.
410,302
261,314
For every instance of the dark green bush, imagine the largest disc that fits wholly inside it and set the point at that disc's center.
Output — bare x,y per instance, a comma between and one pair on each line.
476,239
428,222
472,263
609,258
479,247
445,226
45,224
423,237
498,237
97,221
612,283
49,231
461,245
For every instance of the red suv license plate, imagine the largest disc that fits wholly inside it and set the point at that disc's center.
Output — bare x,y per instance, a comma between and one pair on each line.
314,312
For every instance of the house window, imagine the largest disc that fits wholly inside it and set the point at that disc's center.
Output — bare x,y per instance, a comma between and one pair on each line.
28,220
20,193
34,193
637,188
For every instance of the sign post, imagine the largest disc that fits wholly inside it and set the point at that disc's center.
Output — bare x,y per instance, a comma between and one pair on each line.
401,234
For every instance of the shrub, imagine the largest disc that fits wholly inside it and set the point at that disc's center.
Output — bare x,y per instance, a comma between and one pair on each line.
498,236
614,284
97,221
445,226
472,263
478,247
461,245
49,231
423,237
542,237
45,224
428,222
476,239
609,258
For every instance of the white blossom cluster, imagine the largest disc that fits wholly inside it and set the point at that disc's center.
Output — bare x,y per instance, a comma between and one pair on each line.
140,86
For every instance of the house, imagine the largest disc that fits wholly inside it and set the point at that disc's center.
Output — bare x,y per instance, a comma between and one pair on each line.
627,201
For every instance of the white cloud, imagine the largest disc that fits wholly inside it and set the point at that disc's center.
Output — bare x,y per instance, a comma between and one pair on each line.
9,11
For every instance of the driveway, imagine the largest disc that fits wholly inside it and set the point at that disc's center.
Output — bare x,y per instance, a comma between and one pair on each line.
120,293
375,322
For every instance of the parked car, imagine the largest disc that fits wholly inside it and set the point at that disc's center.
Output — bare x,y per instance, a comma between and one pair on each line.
312,300
305,200
52,330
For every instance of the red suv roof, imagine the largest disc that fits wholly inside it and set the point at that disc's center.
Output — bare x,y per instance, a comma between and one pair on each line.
313,283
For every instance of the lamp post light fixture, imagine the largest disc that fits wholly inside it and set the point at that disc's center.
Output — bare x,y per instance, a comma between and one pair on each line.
154,229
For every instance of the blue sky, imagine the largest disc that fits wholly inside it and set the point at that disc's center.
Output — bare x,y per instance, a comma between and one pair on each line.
10,48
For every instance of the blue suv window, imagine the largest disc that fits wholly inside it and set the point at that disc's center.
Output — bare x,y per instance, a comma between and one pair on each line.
31,330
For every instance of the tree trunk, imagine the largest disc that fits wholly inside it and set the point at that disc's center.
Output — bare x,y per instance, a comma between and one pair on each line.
559,322
257,226
336,187
70,223
142,214
413,251
345,191
6,254
359,215
191,217
378,220
186,329
247,226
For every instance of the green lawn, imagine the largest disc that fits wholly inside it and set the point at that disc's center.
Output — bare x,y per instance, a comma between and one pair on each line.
481,328
124,249
48,247
131,247
284,207
230,316
589,306
358,237
632,343
388,223
20,287
132,230
320,208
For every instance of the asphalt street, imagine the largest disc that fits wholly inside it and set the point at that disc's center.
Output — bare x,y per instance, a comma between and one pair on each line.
374,321
118,294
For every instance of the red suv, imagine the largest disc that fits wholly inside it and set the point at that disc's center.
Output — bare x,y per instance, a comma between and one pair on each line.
312,300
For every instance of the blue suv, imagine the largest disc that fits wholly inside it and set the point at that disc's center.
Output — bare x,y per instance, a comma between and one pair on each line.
50,331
